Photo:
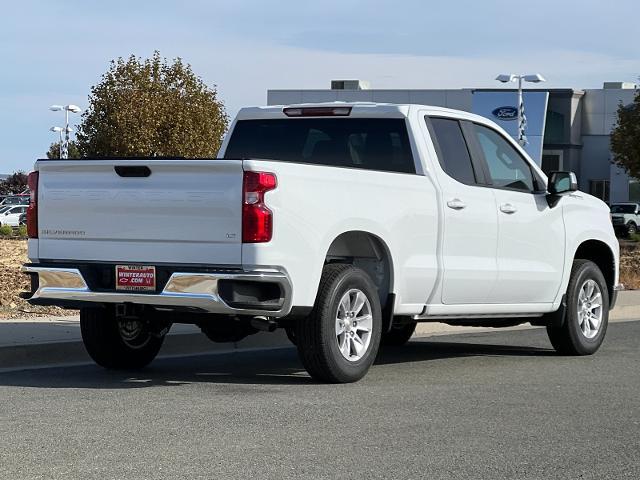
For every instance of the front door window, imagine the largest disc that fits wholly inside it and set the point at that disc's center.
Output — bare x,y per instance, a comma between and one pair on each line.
507,168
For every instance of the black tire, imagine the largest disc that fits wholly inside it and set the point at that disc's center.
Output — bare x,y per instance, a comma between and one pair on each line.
107,347
316,335
569,338
399,334
632,229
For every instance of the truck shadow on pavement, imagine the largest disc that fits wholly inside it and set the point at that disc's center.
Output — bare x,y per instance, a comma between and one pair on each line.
278,366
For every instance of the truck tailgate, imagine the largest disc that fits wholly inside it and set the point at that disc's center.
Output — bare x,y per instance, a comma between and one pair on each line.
183,212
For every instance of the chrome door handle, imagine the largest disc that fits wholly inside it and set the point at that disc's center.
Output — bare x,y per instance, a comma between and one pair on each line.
508,208
456,204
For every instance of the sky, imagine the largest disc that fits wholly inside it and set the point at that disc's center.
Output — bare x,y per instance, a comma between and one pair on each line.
53,52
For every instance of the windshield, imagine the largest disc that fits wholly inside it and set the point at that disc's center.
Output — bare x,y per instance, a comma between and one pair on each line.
368,143
623,208
12,200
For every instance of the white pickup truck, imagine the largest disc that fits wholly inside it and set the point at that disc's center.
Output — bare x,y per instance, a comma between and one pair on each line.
345,224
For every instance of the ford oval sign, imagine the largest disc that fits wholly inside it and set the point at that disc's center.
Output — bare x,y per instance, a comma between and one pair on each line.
505,113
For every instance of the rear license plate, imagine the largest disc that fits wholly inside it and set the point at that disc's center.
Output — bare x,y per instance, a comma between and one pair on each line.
137,278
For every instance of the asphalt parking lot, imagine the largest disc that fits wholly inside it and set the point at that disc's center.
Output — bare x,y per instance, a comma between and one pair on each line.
481,405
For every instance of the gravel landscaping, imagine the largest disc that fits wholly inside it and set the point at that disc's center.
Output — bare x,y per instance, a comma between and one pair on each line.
13,254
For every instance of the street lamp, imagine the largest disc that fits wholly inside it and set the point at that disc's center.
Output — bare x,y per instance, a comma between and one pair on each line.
64,147
522,120
59,130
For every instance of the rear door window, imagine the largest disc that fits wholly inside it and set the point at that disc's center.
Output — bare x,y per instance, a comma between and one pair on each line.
452,151
367,143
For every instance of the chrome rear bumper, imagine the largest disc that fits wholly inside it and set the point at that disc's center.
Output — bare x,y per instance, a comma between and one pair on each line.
183,290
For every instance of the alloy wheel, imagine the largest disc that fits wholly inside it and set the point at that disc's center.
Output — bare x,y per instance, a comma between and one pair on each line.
134,333
354,323
590,308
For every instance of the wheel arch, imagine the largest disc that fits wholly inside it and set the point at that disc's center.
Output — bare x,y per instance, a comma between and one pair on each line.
601,254
370,253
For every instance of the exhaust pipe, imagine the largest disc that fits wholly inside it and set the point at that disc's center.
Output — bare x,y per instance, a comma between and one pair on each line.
264,324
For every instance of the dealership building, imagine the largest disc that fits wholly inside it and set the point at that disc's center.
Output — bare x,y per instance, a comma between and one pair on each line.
567,129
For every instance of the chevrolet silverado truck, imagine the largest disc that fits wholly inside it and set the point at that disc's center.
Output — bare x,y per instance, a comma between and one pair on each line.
344,224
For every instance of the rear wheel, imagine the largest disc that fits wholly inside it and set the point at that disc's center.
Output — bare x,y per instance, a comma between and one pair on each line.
587,313
118,343
339,340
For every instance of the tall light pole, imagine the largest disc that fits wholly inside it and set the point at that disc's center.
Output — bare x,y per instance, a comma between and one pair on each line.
59,130
64,151
522,119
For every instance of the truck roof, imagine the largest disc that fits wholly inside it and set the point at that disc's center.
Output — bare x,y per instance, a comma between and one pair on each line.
358,109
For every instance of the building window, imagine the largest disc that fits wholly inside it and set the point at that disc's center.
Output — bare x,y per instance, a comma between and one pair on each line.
554,129
552,161
599,189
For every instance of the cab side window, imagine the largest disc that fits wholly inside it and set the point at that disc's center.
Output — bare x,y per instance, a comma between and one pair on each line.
452,151
506,166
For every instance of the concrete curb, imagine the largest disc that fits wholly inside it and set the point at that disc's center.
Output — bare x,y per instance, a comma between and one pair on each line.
73,353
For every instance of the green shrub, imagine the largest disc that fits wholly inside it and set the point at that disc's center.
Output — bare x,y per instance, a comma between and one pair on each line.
6,231
22,231
635,237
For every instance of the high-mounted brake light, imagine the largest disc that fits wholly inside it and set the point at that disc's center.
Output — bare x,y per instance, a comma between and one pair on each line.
32,210
317,111
257,219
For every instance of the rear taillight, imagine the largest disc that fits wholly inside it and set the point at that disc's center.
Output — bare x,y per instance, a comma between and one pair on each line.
257,219
32,210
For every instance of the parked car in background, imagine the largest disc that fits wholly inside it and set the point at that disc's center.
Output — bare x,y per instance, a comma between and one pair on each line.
19,199
12,215
625,218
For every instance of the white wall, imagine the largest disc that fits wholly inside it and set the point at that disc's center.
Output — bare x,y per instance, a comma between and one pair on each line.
599,109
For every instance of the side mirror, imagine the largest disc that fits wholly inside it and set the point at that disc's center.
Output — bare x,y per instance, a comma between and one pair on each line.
562,182
559,184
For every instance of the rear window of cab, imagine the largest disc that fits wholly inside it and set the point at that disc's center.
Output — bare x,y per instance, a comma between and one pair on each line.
367,143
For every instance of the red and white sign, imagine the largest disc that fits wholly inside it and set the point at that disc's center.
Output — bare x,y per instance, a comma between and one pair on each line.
135,278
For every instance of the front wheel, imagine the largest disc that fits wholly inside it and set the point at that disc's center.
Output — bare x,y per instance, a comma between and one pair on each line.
118,343
587,313
632,229
339,340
